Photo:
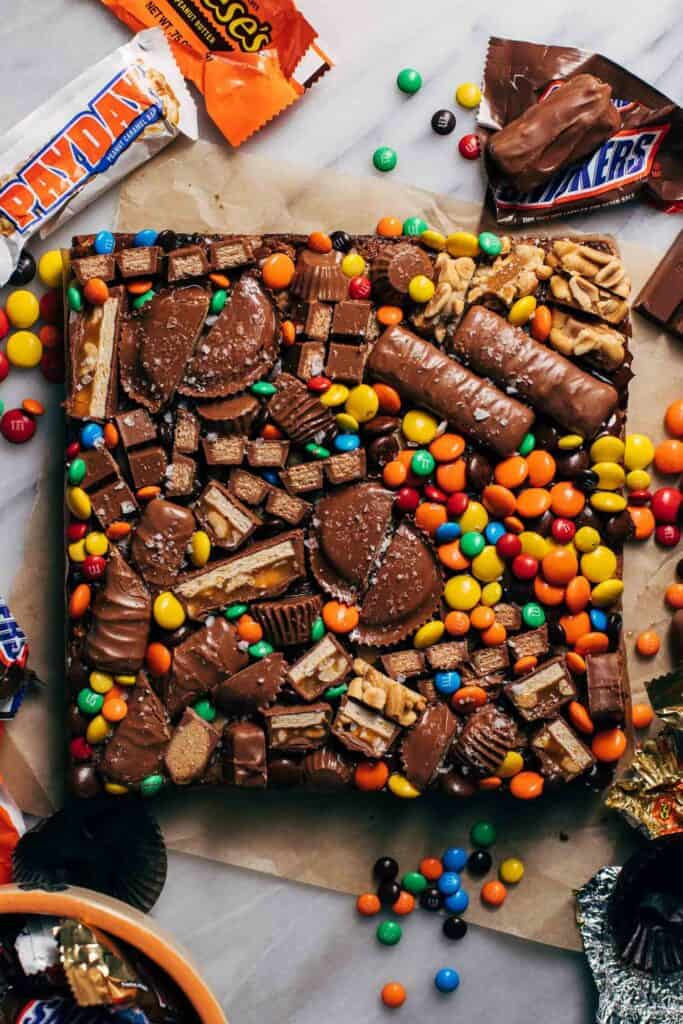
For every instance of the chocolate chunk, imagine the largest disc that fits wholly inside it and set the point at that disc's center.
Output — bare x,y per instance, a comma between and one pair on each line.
490,345
569,124
324,665
346,363
135,428
605,685
224,451
425,745
532,643
362,511
230,415
180,476
560,751
244,755
266,569
156,346
508,615
326,770
346,467
542,693
318,321
308,359
100,465
190,749
294,728
117,639
265,454
249,488
351,319
239,349
398,702
487,737
429,378
230,253
290,620
142,261
139,743
363,730
402,665
160,541
661,297
319,276
188,262
394,268
87,267
490,659
202,662
253,688
186,432
147,466
298,412
226,520
448,656
290,509
304,477
93,339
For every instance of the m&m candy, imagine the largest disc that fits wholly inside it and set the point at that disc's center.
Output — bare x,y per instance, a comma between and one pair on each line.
469,146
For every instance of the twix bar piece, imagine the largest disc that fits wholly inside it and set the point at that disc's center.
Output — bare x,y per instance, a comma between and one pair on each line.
250,59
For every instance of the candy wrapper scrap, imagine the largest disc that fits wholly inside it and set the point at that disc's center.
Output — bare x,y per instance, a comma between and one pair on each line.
567,130
88,136
650,794
14,674
96,969
666,696
250,59
11,828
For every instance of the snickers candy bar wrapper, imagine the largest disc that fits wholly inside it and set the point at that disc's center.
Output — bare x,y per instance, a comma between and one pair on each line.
250,59
88,136
567,130
13,659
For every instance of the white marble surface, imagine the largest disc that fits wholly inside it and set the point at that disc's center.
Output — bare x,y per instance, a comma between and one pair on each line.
275,950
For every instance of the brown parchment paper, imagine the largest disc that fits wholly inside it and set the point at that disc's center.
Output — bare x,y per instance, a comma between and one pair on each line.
325,841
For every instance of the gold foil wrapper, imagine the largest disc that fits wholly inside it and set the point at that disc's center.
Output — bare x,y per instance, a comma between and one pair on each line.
626,995
97,972
650,795
666,696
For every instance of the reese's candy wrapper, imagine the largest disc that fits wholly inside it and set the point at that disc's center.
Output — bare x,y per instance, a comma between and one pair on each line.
250,59
91,133
567,130
96,969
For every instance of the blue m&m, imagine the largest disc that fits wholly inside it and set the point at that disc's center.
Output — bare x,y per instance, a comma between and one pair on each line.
447,532
146,237
104,243
91,435
447,683
448,883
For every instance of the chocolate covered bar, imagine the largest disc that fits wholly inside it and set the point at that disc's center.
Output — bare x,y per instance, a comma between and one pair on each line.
255,489
661,297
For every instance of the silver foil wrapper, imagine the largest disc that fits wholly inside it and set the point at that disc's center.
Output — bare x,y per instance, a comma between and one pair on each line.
626,994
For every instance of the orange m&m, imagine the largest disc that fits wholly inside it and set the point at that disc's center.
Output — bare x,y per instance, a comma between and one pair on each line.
278,271
371,775
340,618
526,785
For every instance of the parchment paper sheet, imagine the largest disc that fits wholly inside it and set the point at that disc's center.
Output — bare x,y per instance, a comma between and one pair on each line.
333,841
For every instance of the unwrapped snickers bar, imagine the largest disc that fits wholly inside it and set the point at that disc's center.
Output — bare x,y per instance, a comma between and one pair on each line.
567,130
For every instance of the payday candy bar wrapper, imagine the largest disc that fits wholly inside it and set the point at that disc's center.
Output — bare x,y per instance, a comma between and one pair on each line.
250,59
88,136
645,156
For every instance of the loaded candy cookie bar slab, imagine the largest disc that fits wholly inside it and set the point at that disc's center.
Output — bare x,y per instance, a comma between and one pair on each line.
344,511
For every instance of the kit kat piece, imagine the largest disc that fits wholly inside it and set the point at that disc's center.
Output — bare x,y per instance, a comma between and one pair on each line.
661,297
569,124
428,377
561,753
604,682
496,348
542,693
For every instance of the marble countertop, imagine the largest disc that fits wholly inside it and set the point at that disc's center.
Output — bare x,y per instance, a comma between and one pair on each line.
274,950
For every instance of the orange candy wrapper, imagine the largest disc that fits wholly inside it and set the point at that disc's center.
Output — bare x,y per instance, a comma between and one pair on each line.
250,59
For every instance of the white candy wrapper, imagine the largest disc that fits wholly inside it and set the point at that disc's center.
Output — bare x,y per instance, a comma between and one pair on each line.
88,136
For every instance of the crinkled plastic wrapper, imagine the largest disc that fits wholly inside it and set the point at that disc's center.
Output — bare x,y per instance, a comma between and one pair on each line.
627,995
250,59
97,972
650,794
666,696
88,136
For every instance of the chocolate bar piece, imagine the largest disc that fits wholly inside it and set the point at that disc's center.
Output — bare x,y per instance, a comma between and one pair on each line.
444,657
135,427
534,643
93,337
426,376
224,451
542,693
142,261
160,541
402,665
557,388
295,728
309,359
117,639
202,662
346,363
188,262
425,745
363,730
250,489
604,682
324,665
661,297
561,753
253,688
263,454
351,319
288,507
568,124
190,749
186,432
226,520
147,466
100,265
232,252
318,321
100,465
244,755
113,501
137,748
490,659
347,467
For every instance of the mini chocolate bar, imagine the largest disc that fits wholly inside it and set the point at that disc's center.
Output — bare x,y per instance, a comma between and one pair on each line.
661,297
560,751
542,693
93,340
604,683
258,562
557,388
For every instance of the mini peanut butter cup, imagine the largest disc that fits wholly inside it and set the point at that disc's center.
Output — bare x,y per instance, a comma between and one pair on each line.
288,621
394,268
318,275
